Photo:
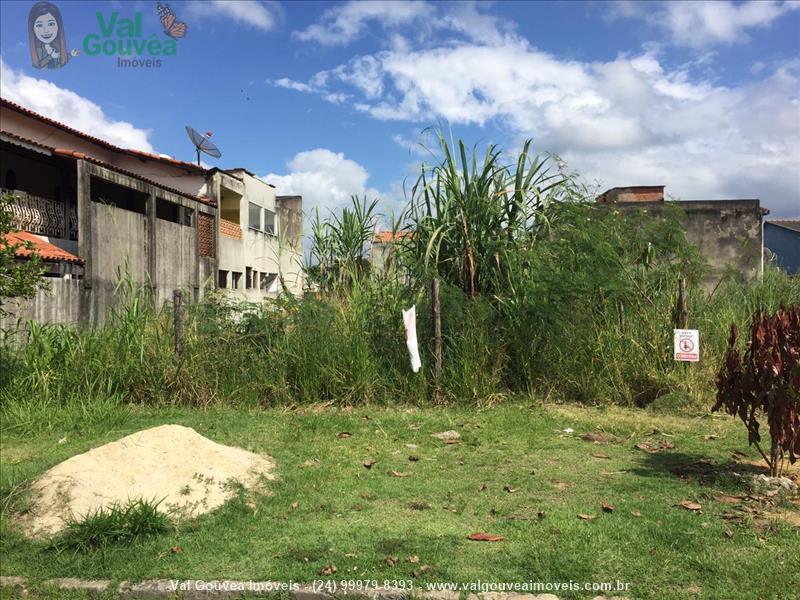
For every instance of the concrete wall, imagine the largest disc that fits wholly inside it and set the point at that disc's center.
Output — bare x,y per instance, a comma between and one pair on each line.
727,233
60,302
784,243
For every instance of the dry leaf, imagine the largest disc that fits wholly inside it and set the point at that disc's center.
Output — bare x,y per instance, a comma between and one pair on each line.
412,559
604,456
176,549
413,458
607,507
485,537
343,435
728,534
729,499
295,505
310,463
400,474
597,438
511,490
738,454
689,505
421,570
586,517
368,463
391,560
328,570
541,514
447,436
636,513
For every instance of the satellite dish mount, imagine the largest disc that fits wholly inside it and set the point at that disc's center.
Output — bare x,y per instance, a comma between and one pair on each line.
202,143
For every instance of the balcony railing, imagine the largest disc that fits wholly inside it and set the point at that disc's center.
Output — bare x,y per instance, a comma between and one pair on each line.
230,229
42,215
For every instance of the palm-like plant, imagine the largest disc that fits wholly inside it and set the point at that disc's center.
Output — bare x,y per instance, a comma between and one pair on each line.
468,217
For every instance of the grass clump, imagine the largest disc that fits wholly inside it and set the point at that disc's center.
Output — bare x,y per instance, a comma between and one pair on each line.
116,524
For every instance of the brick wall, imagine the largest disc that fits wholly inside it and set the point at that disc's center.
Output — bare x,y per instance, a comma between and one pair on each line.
205,224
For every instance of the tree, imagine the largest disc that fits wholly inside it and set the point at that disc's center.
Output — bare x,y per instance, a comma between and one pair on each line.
18,279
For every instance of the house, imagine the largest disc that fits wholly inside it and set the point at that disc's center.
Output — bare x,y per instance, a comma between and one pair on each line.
383,247
727,233
259,237
782,239
117,214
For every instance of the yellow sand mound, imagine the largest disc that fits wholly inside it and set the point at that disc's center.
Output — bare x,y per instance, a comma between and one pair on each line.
189,473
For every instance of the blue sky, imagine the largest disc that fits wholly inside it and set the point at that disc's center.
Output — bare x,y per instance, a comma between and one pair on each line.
329,99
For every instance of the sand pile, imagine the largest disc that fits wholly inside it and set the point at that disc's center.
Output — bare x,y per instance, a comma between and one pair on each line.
192,475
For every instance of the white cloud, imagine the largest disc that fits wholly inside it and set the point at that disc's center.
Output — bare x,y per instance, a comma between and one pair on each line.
254,13
69,108
342,24
702,24
631,120
324,178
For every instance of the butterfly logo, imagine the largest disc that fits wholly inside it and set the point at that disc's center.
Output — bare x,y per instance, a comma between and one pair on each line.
172,27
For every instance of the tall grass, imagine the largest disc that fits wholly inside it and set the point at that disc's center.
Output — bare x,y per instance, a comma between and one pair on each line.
540,293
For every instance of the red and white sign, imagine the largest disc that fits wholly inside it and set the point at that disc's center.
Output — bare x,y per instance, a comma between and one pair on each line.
687,345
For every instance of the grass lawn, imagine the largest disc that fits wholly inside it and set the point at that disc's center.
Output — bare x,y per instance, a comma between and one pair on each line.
514,474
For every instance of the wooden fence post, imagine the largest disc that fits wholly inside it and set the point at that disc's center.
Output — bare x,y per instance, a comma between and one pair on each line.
177,297
437,329
683,311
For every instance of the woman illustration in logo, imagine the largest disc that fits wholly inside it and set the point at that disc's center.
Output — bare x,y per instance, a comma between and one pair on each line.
46,36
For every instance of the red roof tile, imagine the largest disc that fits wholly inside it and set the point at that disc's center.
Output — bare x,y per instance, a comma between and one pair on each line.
96,140
387,237
46,250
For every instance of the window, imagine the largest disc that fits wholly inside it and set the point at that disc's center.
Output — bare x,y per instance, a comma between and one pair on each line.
237,278
118,196
223,279
254,216
188,217
248,277
269,222
267,279
166,210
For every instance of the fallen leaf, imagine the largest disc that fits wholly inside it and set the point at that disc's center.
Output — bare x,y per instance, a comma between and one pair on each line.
295,505
368,463
560,485
738,454
310,463
351,555
485,537
413,458
586,517
176,549
412,559
654,448
728,534
421,570
419,505
356,507
607,507
713,436
411,446
604,456
400,474
511,490
693,589
328,570
541,514
689,505
483,487
343,435
391,560
636,513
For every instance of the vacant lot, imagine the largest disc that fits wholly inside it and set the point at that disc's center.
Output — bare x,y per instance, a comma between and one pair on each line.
389,501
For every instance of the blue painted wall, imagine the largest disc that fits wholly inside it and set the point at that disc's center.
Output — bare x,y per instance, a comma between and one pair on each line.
785,244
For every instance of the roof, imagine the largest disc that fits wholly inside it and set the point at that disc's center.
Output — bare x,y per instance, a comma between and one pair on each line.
387,237
14,138
792,224
49,252
98,141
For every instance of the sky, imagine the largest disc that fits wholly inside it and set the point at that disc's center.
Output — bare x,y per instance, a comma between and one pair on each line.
328,100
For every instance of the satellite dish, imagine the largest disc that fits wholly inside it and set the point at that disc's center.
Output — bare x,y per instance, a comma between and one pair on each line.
202,143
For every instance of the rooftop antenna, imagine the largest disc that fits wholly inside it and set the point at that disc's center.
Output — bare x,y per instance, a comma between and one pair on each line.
202,143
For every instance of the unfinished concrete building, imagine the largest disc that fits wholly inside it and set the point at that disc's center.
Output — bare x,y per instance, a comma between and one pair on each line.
100,214
727,233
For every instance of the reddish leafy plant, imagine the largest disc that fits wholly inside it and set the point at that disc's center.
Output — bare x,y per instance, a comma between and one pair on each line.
766,379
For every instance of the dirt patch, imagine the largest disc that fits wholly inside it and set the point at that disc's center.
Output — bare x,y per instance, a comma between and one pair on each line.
173,464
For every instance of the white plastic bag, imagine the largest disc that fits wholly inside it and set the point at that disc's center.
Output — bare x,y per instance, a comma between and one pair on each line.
410,322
